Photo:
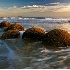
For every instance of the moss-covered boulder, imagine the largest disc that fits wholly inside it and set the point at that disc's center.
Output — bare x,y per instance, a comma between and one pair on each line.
10,34
33,34
57,37
4,24
15,26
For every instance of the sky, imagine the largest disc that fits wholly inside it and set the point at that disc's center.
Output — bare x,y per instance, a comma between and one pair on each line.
35,8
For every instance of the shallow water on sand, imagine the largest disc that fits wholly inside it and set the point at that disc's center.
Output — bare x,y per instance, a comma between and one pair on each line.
18,54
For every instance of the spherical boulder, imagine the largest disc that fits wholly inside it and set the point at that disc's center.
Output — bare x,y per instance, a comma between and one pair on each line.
10,34
15,26
33,34
4,24
57,37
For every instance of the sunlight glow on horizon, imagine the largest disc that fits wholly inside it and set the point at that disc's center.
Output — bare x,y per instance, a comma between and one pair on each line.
57,9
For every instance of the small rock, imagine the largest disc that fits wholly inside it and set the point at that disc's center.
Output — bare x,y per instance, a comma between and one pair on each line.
4,24
16,26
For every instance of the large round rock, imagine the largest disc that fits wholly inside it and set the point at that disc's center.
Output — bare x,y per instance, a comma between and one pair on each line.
4,24
10,34
15,26
57,37
33,34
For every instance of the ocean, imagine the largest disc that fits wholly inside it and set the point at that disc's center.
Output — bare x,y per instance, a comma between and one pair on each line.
17,54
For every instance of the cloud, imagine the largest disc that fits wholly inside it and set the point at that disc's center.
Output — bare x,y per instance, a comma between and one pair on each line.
63,9
37,10
55,3
57,7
